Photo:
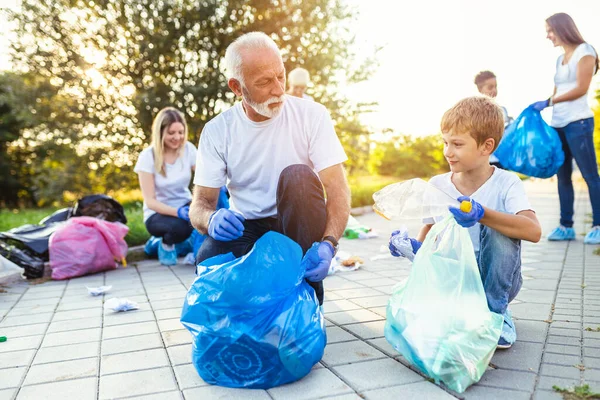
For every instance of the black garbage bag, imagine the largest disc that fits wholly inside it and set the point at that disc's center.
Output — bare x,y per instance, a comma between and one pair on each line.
27,245
100,206
32,263
33,237
58,216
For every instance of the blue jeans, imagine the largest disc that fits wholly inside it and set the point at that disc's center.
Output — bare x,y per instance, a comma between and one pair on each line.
499,261
578,143
301,216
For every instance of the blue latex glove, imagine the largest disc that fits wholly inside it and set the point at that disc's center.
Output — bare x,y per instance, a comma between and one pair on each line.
317,261
400,252
226,225
467,220
183,212
540,105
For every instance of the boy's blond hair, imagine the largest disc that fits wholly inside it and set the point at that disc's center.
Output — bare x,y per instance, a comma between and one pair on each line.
478,116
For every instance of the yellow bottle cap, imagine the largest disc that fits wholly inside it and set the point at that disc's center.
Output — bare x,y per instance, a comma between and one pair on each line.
466,206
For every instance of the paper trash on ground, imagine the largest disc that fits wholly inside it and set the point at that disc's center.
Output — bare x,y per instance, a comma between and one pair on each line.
97,291
117,305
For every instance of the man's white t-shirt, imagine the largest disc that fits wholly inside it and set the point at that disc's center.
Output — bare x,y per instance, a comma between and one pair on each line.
565,80
503,192
249,156
172,189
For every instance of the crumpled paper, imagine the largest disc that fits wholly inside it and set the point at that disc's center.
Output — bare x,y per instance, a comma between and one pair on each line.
117,305
98,290
344,262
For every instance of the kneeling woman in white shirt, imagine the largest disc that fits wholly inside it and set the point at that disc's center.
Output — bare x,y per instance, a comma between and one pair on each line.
165,170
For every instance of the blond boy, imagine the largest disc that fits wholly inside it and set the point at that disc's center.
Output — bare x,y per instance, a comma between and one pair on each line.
501,215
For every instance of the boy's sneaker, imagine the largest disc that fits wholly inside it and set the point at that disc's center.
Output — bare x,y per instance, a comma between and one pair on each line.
593,236
151,247
509,334
562,233
167,256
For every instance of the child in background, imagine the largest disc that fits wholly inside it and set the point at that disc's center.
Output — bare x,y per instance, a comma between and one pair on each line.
487,85
501,215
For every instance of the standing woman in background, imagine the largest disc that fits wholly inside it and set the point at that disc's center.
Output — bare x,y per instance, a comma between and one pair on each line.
165,171
573,118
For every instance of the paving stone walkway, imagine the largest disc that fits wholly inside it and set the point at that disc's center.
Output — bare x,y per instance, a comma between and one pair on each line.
62,345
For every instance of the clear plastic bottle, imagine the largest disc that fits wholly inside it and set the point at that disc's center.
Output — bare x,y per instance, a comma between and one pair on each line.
414,199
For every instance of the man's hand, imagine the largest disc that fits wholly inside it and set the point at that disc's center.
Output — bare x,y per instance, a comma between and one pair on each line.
318,260
467,219
399,245
183,212
226,225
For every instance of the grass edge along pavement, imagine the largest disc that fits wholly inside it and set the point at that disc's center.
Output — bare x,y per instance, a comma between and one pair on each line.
362,189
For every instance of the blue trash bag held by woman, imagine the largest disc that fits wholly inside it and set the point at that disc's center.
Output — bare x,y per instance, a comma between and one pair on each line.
256,322
439,319
530,146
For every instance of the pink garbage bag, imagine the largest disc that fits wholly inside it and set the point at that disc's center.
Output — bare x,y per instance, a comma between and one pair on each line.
86,245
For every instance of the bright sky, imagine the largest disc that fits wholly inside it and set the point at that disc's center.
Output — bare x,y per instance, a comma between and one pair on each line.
434,48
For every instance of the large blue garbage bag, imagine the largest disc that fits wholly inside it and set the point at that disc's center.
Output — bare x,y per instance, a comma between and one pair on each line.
530,146
256,322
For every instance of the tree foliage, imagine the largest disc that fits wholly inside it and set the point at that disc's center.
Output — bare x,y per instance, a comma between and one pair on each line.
112,64
408,157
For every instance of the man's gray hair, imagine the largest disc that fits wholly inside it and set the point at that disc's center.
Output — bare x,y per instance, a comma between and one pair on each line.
233,54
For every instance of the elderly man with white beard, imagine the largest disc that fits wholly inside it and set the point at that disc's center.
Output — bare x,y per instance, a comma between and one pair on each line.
275,153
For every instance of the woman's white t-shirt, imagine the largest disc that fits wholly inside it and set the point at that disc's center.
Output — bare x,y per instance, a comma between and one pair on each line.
174,188
565,80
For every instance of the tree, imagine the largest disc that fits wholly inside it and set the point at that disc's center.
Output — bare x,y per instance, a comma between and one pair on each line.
120,61
407,157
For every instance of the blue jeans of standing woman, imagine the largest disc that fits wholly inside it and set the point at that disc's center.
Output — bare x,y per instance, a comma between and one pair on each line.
578,143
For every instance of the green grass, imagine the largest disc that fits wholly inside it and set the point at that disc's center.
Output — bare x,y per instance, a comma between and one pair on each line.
577,393
363,187
133,210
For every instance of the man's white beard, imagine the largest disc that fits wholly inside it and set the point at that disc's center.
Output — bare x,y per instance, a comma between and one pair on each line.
263,108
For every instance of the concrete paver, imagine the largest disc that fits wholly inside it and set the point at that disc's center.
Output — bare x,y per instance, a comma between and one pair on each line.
62,344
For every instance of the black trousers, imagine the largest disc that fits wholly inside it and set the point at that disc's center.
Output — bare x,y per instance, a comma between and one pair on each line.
301,216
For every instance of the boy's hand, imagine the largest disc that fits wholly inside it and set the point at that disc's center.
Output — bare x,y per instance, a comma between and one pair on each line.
467,219
398,245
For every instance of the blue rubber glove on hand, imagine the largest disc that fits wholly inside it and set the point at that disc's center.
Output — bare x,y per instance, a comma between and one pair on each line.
183,212
398,245
464,219
226,225
317,261
540,105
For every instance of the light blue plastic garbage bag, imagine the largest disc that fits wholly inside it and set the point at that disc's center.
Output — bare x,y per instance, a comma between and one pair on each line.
256,323
531,147
439,319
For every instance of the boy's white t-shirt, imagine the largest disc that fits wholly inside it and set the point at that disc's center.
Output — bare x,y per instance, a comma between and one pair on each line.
172,189
249,156
503,192
565,80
